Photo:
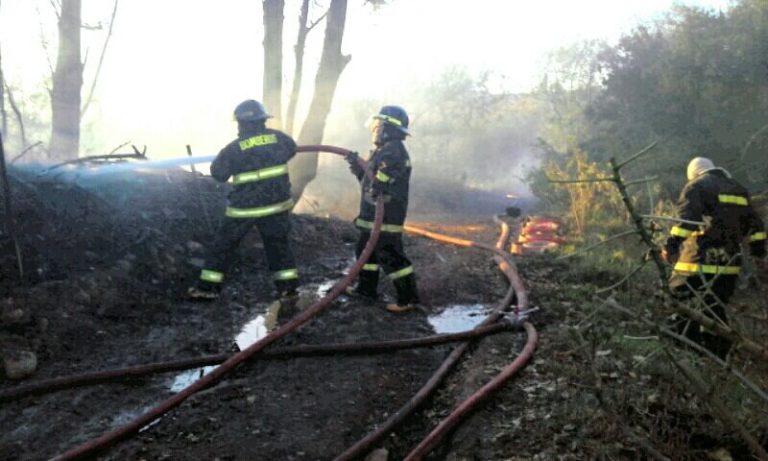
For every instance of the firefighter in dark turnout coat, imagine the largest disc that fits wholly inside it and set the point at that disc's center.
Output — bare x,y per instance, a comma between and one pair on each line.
390,168
257,162
705,249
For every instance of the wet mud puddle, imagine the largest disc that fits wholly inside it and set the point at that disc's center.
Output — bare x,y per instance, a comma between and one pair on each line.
458,317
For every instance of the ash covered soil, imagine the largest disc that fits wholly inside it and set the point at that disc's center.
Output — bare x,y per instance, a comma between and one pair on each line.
105,271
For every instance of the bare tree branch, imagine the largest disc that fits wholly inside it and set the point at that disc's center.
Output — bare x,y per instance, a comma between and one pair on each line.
24,152
101,61
17,112
612,303
43,41
707,396
637,155
119,147
56,5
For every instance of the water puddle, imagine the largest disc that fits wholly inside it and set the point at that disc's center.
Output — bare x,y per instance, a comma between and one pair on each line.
323,288
253,331
183,380
459,317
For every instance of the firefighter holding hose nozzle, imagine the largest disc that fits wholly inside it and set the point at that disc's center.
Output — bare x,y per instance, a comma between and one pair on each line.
390,168
706,257
257,162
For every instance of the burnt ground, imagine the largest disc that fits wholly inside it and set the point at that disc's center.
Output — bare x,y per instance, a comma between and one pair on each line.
105,268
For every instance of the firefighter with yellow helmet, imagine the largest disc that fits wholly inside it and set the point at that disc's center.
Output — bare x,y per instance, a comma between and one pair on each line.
390,168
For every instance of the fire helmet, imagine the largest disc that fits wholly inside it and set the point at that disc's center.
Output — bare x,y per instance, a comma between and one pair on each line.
251,110
394,116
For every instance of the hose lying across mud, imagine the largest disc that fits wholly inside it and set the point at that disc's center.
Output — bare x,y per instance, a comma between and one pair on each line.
516,290
228,362
134,426
314,350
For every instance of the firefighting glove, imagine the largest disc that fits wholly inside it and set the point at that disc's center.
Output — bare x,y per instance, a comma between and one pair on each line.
354,164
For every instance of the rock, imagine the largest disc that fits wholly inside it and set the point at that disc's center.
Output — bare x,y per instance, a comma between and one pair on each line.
19,364
13,316
123,265
379,454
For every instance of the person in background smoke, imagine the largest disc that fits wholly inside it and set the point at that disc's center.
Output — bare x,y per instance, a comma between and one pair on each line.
257,162
709,254
390,169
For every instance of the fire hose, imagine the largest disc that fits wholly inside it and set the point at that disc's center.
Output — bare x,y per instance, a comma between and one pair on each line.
517,290
135,425
314,350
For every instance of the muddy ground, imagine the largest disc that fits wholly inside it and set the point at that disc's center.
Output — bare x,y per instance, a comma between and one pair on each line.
106,264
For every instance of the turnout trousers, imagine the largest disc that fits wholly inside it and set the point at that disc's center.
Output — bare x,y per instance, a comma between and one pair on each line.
274,232
390,257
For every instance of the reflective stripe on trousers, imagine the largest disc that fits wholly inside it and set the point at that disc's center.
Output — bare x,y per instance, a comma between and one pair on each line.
401,273
286,274
363,224
210,276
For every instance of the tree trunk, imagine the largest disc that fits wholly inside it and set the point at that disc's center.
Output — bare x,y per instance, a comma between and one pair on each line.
67,83
332,63
3,114
273,59
301,41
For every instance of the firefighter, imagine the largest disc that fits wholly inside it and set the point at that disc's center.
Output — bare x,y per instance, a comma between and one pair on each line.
705,248
390,169
257,162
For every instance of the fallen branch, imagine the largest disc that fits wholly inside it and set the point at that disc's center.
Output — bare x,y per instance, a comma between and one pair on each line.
693,345
700,387
623,280
598,392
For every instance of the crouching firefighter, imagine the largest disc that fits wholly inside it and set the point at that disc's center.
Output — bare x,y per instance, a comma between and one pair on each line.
257,162
706,257
390,168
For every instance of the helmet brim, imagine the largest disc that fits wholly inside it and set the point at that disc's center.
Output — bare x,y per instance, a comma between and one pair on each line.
378,118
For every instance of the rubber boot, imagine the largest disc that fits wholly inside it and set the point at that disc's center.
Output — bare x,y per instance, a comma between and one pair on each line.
407,294
367,285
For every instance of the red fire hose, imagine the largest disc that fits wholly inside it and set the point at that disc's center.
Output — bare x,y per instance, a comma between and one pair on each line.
516,289
314,350
453,419
134,426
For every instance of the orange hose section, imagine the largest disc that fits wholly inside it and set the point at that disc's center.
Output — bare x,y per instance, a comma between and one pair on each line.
500,256
134,426
439,237
383,429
